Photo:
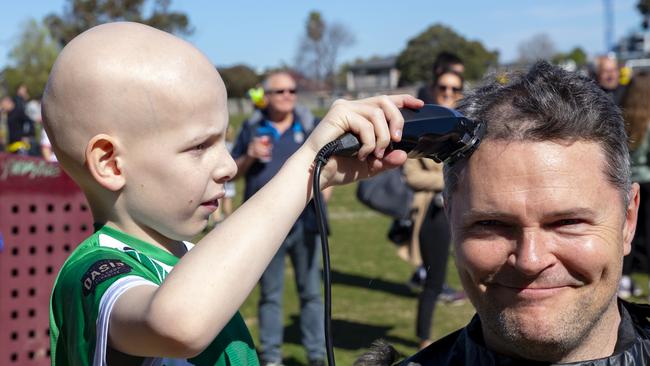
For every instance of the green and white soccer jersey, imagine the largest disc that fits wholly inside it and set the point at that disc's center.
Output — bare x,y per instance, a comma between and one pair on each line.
102,268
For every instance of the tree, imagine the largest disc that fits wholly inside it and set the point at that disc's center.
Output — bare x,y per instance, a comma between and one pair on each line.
644,8
319,48
537,47
238,80
577,55
81,15
416,60
31,58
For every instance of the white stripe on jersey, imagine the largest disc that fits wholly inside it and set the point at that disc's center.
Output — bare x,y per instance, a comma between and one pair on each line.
110,242
105,307
113,293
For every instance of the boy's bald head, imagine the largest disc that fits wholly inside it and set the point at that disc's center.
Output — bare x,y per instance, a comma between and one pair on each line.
121,79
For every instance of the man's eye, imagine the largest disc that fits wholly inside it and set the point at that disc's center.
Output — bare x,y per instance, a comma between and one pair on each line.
488,223
201,146
567,222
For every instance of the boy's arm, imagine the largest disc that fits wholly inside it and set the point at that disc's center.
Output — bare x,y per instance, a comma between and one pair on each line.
209,284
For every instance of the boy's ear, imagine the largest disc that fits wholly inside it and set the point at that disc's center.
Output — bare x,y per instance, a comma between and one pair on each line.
104,162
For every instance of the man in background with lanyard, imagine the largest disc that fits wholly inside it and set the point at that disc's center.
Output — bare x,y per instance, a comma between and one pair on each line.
265,142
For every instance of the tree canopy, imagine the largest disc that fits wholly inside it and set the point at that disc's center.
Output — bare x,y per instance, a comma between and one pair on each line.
320,47
31,59
80,15
577,55
538,47
416,60
238,80
644,8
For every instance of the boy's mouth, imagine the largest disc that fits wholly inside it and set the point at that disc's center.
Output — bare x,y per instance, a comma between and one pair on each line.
214,202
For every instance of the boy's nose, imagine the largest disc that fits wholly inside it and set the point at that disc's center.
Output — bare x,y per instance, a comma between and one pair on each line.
226,168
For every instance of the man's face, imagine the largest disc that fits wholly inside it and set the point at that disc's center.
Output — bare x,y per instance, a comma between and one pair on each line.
608,74
6,104
281,93
540,236
22,92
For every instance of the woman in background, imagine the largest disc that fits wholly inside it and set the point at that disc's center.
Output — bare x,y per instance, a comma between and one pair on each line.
636,111
430,228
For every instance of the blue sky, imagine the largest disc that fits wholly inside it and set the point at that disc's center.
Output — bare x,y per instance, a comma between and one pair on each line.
266,33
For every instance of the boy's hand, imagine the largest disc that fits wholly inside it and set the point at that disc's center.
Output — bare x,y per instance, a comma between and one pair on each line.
376,121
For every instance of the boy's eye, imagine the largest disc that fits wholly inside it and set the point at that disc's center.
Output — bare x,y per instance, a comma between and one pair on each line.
201,146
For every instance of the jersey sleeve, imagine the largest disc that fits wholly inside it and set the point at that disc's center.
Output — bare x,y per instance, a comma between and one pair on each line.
82,299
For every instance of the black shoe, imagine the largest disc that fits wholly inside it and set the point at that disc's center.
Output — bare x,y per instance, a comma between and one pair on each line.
451,296
417,279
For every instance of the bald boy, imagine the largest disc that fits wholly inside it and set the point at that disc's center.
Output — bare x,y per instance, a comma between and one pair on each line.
138,117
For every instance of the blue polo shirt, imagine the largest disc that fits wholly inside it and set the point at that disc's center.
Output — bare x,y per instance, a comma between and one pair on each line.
284,145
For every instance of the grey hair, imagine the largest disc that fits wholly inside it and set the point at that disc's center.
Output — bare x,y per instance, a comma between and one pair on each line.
547,103
272,74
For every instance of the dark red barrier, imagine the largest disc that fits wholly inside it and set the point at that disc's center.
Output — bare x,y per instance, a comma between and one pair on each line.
43,216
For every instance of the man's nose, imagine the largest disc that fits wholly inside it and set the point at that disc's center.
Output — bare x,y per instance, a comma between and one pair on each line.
531,254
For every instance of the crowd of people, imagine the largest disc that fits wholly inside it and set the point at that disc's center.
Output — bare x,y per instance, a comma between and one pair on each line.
540,217
21,130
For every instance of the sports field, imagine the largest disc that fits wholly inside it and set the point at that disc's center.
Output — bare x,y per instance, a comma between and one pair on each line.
370,296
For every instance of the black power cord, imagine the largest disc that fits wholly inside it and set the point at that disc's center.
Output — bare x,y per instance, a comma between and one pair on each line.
432,132
347,145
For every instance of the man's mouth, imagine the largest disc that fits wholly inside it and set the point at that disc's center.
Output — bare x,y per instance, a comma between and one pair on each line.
533,292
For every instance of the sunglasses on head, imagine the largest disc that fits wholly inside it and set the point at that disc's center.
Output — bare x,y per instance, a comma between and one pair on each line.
281,91
443,88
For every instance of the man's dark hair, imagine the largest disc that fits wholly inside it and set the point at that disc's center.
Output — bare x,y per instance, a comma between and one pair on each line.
380,354
442,72
444,60
547,103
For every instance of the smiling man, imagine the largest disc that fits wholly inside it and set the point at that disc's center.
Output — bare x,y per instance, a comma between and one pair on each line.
541,217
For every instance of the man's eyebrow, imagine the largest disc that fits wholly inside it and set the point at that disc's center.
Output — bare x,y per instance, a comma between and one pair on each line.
478,214
576,211
475,214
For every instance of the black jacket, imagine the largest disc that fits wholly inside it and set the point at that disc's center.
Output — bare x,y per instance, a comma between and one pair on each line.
466,347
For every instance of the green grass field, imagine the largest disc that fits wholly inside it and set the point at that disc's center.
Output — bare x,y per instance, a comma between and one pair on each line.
370,299
370,296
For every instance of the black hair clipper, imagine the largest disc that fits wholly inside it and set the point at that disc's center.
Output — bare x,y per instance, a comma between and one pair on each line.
434,132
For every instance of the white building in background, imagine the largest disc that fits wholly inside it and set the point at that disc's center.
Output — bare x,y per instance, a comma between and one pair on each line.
633,50
373,76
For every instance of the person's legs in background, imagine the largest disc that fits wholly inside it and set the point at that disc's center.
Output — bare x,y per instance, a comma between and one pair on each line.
270,307
434,246
305,257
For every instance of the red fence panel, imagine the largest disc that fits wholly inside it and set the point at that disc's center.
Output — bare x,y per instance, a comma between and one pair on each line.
43,216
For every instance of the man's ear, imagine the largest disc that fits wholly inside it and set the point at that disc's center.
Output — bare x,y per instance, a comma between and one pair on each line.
104,162
631,214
